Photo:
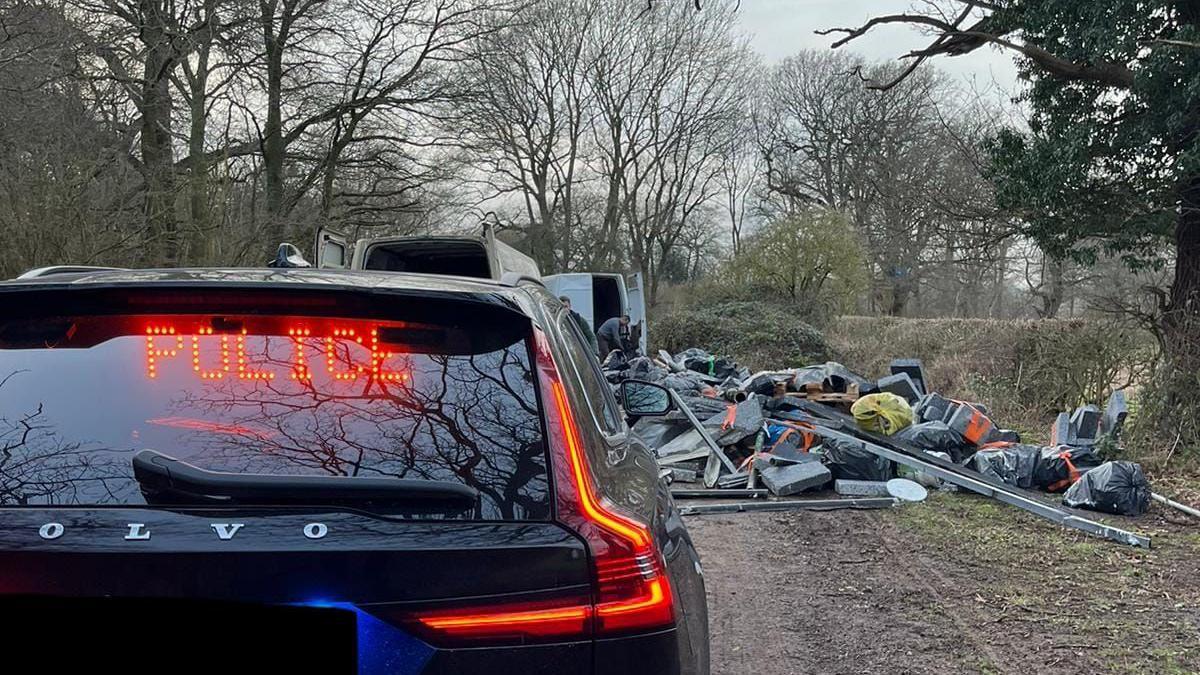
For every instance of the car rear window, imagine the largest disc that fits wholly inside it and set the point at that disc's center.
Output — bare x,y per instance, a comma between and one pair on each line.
79,396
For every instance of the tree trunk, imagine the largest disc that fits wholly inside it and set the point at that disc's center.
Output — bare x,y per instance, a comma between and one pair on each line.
198,208
902,286
157,156
541,227
1052,291
1181,321
339,141
608,247
273,142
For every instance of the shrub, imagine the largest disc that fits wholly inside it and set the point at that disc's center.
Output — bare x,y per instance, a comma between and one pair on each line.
1025,371
759,335
1164,425
813,257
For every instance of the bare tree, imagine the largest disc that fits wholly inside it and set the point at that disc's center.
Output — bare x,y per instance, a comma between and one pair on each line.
526,117
740,180
904,163
666,115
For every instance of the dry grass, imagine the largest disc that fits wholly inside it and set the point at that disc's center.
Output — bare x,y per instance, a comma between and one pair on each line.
1099,605
1025,371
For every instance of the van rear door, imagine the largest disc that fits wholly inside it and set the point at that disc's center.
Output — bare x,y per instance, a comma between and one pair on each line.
332,249
577,287
634,290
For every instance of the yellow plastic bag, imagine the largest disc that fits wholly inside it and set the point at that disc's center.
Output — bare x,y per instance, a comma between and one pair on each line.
882,413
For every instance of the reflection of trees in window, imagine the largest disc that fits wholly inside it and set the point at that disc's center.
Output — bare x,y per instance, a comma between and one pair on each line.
467,418
38,467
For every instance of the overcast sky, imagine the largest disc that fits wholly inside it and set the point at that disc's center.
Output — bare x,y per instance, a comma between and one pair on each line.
779,28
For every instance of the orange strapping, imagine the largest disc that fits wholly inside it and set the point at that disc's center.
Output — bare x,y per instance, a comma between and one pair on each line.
730,416
786,432
793,427
1073,473
746,462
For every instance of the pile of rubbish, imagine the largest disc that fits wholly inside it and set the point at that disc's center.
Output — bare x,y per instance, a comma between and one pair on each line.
777,434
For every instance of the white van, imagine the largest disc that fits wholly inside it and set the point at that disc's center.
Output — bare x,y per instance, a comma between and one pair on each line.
597,296
482,257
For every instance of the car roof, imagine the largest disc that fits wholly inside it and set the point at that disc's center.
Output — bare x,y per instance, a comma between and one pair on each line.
324,277
469,288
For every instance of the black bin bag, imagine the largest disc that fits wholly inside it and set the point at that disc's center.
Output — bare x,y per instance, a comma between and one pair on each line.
850,461
1012,464
1112,487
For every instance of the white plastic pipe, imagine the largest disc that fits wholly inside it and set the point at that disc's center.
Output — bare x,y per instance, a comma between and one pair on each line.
1195,513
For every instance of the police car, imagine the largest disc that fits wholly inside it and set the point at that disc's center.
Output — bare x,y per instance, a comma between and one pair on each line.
321,470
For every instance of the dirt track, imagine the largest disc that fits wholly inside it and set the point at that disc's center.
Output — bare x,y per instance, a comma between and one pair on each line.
959,585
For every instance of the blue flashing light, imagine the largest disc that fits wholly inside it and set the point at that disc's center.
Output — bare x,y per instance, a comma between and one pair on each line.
383,649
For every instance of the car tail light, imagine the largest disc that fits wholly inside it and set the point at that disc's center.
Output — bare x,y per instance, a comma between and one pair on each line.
632,592
509,622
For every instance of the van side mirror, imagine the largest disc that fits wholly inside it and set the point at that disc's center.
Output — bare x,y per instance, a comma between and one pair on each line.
644,399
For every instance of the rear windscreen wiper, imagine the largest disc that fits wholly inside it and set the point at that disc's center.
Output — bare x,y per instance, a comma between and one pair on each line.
166,480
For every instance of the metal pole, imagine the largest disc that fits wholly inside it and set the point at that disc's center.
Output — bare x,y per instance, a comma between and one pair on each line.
1007,496
790,505
720,493
708,440
1195,513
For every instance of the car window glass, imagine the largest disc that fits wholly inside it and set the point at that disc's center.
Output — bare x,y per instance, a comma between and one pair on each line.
587,370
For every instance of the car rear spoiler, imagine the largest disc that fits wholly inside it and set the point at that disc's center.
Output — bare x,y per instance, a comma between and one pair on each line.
166,479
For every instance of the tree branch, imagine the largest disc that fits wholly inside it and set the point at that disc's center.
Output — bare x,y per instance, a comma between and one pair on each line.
1102,72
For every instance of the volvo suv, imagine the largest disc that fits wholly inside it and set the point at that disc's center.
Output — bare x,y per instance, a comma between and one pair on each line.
328,471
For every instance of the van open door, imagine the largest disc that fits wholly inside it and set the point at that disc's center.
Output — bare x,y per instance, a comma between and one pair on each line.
635,289
578,287
332,249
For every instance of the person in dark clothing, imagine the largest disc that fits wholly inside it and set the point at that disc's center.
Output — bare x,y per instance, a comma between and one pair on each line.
584,327
613,334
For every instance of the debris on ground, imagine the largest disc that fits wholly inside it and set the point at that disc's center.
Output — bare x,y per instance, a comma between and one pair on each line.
790,479
906,490
1112,487
777,435
1014,464
884,413
860,488
937,437
852,461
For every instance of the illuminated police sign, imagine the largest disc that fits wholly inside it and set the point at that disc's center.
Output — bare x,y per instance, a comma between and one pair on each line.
347,352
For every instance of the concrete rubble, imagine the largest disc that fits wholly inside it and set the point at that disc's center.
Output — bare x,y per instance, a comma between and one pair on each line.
779,435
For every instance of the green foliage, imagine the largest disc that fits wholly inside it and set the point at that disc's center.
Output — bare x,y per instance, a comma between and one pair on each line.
1101,166
759,335
1111,164
813,258
1165,423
